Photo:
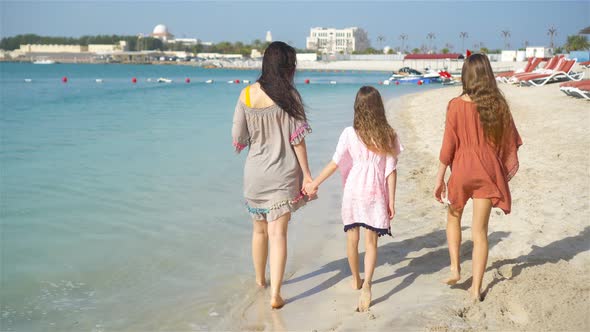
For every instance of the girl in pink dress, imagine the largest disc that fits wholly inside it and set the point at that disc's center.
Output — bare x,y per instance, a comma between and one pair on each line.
367,156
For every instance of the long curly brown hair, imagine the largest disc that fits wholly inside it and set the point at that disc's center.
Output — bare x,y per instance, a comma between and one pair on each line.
480,85
370,122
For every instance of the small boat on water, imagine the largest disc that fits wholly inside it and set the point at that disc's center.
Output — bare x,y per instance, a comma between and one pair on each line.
43,61
164,80
410,75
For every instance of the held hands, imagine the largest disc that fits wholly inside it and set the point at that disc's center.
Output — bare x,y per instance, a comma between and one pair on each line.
440,191
309,188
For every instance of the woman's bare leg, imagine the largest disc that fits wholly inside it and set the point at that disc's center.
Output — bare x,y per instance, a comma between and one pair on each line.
277,233
454,242
260,250
481,217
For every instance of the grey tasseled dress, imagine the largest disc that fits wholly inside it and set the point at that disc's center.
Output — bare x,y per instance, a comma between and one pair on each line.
272,175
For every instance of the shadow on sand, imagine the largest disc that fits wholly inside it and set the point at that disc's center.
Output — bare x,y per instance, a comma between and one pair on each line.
393,253
564,249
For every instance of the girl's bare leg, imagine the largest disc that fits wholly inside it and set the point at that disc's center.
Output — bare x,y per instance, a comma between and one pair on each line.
352,250
260,250
277,233
481,217
454,242
370,261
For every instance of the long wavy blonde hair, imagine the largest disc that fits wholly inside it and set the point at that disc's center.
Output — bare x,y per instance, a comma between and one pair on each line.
480,85
370,122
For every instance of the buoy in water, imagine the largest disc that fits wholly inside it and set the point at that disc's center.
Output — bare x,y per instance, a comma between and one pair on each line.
237,81
420,82
28,80
209,81
64,79
332,82
246,81
134,80
187,80
98,80
307,81
396,82
230,82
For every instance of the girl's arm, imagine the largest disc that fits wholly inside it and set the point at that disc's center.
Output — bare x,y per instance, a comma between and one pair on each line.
391,185
301,153
440,191
312,187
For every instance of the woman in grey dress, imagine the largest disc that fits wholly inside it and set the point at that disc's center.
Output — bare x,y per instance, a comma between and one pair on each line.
270,120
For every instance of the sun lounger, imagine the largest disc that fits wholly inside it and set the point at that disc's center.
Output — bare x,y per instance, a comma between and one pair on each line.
579,89
532,63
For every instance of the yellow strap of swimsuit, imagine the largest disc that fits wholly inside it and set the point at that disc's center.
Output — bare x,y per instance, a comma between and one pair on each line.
248,96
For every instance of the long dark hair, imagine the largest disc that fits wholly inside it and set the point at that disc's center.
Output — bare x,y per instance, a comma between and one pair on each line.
276,79
480,85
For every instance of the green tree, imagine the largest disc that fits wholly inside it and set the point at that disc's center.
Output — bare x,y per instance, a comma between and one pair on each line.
445,50
576,43
416,50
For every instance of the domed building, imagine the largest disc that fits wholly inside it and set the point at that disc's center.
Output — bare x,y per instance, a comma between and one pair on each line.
161,32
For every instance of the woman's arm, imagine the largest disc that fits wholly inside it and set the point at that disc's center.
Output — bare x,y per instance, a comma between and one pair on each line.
301,153
440,191
312,187
391,185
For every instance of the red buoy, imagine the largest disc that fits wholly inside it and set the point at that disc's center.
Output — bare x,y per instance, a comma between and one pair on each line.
380,82
396,82
237,81
420,82
187,80
134,80
64,79
307,81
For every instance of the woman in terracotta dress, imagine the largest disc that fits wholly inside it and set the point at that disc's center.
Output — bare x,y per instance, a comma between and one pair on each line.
480,146
270,120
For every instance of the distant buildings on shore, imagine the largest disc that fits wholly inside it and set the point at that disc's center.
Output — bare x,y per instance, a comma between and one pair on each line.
332,41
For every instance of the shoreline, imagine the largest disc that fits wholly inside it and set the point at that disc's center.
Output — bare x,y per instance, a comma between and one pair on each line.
539,251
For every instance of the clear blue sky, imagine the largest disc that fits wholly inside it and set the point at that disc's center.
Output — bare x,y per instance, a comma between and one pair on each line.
290,21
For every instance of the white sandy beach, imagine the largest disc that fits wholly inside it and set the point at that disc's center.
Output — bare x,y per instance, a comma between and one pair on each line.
538,269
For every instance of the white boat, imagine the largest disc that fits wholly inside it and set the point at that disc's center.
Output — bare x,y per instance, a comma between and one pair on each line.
98,80
209,81
28,80
164,80
43,61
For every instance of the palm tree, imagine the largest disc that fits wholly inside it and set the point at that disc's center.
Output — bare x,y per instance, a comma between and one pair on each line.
431,36
380,40
449,46
577,43
463,36
551,32
403,38
506,35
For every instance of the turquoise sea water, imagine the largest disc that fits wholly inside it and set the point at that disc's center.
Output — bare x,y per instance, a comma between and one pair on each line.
120,203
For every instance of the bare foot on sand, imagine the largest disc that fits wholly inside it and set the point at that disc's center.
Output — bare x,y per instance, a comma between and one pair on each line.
474,296
261,283
356,283
365,298
277,302
454,278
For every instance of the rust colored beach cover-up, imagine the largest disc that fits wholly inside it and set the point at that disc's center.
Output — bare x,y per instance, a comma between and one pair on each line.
478,169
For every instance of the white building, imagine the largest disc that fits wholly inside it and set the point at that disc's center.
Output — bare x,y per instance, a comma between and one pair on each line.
539,52
268,37
161,32
185,41
331,40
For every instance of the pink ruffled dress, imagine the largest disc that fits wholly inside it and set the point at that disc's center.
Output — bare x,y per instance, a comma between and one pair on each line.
364,175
